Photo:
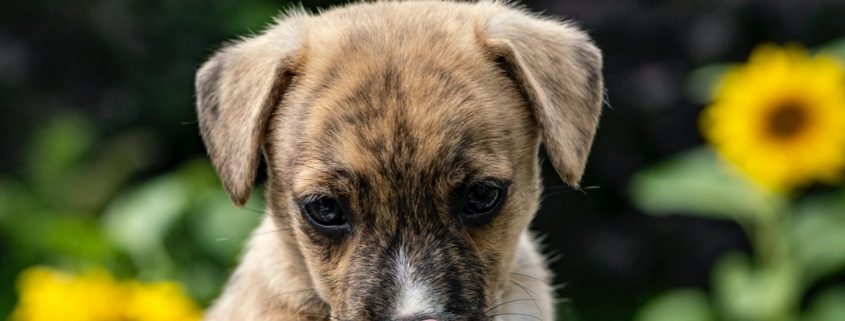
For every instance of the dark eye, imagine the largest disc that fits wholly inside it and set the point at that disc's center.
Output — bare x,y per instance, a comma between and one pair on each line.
324,211
483,198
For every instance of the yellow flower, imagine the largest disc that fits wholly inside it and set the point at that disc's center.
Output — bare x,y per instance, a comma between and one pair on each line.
50,295
163,301
780,119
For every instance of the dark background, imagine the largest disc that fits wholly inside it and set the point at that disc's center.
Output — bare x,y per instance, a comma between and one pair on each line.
130,64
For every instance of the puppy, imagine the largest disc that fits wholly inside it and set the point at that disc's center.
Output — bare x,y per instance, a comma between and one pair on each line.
401,142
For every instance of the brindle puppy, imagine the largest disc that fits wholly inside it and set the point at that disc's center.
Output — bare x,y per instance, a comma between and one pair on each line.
401,141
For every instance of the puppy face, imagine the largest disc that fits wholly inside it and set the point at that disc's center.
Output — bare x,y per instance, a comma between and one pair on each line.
402,151
408,181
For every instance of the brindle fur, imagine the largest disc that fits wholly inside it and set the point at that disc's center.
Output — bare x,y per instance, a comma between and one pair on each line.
390,107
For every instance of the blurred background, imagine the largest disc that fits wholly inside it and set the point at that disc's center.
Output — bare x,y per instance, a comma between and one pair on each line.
102,165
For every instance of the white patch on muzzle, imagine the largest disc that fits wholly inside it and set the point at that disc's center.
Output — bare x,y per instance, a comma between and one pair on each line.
414,296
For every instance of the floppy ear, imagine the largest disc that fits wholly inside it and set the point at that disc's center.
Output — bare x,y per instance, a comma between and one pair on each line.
237,90
558,70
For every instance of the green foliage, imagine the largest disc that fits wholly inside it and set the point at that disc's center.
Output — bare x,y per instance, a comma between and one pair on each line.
58,147
747,292
85,196
696,182
686,305
80,209
829,306
818,234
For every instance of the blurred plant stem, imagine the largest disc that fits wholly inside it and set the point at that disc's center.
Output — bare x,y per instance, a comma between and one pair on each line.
765,232
771,251
795,243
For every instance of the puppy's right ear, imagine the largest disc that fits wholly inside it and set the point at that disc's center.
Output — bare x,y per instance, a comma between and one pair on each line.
558,70
237,91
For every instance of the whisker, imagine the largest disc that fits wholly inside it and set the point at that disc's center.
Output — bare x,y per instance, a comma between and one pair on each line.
272,231
254,210
530,277
524,289
506,302
558,187
560,190
520,314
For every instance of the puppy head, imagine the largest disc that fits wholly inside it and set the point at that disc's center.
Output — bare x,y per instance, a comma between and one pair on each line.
401,142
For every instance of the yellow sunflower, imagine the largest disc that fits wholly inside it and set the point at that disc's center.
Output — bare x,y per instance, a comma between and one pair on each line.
780,118
47,294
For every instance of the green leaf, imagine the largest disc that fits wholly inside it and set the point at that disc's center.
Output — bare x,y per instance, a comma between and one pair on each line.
744,292
74,239
203,280
57,148
199,175
698,183
686,305
818,235
9,195
220,228
217,225
828,306
139,220
702,81
116,159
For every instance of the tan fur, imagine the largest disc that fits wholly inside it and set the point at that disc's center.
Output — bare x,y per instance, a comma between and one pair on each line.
396,102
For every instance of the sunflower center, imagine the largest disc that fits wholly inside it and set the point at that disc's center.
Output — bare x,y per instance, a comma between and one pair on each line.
787,120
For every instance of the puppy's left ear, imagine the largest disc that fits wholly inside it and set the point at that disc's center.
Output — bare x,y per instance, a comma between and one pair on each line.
237,90
558,70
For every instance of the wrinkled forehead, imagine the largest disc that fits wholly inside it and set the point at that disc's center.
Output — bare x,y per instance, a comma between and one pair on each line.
402,119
